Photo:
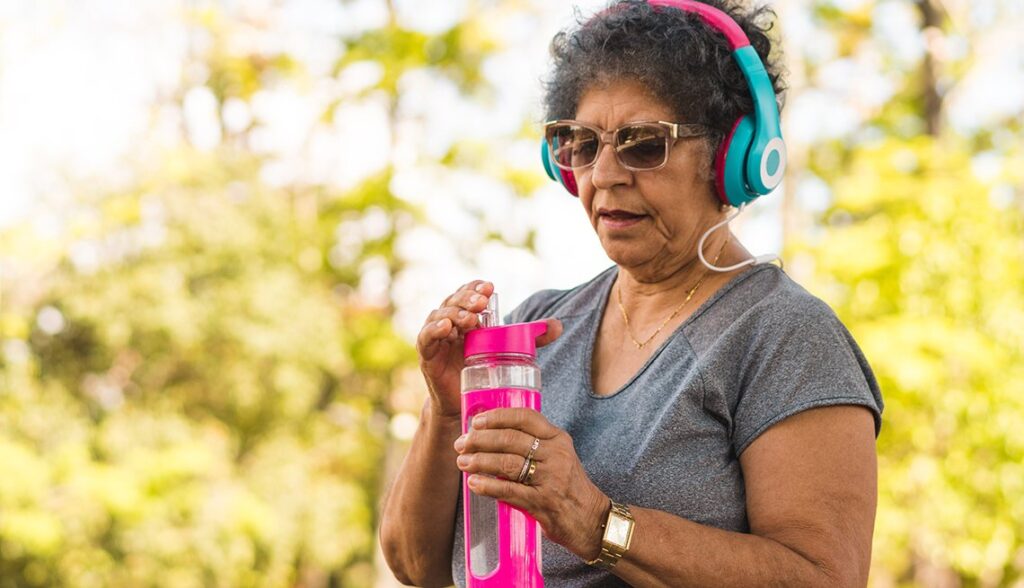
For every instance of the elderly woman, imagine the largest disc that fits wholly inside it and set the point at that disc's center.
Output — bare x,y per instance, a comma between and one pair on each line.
726,420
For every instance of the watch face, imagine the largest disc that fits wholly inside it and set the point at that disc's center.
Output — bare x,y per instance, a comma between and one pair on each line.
618,530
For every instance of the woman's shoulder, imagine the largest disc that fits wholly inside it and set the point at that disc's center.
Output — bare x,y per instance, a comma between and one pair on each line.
763,312
779,349
766,295
564,303
784,296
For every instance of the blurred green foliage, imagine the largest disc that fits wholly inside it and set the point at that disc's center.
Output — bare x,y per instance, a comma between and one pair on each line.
928,272
205,407
921,253
193,392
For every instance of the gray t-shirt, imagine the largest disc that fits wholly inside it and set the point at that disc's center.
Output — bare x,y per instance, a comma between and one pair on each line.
759,350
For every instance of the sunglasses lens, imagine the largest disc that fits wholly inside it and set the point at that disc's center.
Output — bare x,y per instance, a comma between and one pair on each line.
572,146
642,146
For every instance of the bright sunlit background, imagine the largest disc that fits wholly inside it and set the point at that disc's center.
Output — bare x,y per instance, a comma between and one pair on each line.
223,223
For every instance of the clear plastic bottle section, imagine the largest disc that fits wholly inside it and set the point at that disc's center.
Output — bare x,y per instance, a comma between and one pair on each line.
500,370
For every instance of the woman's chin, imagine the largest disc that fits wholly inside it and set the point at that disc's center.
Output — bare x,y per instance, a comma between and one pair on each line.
626,254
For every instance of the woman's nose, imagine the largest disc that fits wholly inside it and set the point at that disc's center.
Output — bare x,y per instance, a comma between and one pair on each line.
607,170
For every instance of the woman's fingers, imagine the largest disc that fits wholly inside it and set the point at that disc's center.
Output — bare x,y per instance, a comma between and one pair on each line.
472,296
506,465
463,315
462,319
526,420
554,331
460,309
430,335
508,441
470,300
518,495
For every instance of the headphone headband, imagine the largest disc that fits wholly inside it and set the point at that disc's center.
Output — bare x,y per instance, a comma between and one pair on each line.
711,15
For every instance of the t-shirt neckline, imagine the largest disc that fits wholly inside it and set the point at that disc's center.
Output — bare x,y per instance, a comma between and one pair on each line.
595,323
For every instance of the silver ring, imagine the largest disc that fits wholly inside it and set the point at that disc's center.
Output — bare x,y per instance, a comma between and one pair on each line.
533,448
523,474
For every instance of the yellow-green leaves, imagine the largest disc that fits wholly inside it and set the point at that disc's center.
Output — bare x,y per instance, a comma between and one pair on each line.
928,273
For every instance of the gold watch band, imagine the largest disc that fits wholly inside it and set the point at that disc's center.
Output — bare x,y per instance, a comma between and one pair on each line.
620,523
606,560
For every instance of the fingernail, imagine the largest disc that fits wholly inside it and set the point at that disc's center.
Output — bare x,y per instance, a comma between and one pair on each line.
463,460
480,287
479,422
460,443
476,298
473,481
463,314
441,323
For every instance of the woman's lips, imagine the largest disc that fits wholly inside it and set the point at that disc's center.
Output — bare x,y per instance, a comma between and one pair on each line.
619,219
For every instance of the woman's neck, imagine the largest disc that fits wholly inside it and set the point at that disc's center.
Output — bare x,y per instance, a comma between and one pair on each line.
650,295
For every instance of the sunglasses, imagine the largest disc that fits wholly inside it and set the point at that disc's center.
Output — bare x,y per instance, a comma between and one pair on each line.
638,146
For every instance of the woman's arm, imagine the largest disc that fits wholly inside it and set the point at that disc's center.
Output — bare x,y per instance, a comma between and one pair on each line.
418,523
418,514
811,485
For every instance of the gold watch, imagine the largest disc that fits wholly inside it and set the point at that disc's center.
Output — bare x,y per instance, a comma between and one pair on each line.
618,533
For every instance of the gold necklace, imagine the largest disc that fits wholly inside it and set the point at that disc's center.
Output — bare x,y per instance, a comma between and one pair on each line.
675,313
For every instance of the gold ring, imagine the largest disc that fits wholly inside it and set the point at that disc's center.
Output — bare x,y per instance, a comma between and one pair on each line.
533,448
529,474
523,474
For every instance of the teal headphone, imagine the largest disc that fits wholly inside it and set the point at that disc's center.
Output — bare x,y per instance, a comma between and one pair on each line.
751,160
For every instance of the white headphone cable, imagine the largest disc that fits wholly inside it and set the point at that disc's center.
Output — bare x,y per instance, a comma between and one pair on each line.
759,259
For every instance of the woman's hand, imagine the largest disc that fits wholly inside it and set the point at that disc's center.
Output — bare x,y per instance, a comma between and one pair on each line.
560,495
439,344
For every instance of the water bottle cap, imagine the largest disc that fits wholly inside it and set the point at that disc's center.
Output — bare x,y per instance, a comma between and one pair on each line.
515,338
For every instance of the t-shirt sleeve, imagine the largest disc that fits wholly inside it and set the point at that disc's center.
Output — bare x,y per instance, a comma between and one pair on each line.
800,357
537,306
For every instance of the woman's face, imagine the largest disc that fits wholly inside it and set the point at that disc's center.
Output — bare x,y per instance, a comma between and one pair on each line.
647,221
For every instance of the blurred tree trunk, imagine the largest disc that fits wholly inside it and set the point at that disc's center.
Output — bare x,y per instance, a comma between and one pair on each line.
931,29
793,217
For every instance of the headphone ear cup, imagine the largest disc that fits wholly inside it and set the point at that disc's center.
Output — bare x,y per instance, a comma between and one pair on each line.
719,170
566,178
569,182
545,157
730,163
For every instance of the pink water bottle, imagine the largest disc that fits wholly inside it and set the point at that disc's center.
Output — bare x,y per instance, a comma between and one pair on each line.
503,543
